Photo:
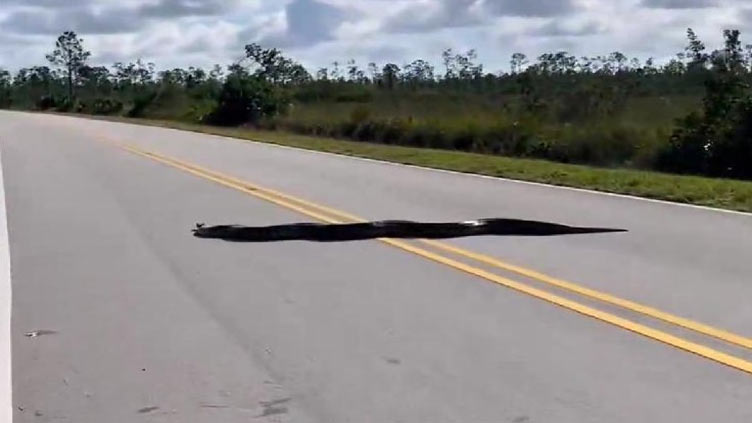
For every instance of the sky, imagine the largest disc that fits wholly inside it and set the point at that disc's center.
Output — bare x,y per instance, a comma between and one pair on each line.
182,33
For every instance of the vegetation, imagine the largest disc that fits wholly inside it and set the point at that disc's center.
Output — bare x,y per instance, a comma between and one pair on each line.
720,193
690,115
69,54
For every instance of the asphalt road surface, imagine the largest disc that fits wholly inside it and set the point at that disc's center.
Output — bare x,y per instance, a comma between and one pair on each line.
119,314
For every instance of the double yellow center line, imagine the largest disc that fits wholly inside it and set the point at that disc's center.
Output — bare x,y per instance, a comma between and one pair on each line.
330,215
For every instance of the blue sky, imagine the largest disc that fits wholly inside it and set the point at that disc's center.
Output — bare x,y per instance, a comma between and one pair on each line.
318,32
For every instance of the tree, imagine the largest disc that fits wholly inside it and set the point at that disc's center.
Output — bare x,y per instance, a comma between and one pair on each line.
373,70
619,61
718,142
447,57
696,52
274,67
5,88
246,99
336,73
557,63
675,67
94,80
418,72
137,73
217,73
461,66
322,74
748,56
518,62
34,87
731,59
70,55
354,73
173,77
390,75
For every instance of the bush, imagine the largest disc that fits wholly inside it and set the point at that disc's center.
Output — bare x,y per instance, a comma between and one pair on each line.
717,142
200,111
247,99
140,104
46,102
516,139
354,95
333,91
103,106
687,150
360,114
601,145
720,147
170,102
67,105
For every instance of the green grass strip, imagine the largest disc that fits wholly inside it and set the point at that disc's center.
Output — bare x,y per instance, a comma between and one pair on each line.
711,192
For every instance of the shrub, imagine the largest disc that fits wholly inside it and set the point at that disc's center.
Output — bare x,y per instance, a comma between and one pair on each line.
713,147
140,103
687,150
46,102
514,139
200,111
601,145
103,106
718,142
354,95
246,99
359,115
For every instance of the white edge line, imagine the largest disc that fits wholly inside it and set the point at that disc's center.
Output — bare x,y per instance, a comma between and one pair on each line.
453,172
6,384
474,175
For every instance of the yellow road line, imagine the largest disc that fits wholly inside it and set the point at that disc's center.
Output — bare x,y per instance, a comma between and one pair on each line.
698,327
666,338
246,188
702,328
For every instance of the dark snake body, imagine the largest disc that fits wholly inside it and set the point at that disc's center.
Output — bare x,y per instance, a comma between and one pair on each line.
389,229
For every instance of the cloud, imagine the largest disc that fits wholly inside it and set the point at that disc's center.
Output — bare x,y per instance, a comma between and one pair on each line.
310,21
199,32
304,23
557,28
680,4
179,8
430,15
91,17
43,3
531,8
82,20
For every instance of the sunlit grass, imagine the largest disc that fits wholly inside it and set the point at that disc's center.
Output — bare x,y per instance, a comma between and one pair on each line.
720,193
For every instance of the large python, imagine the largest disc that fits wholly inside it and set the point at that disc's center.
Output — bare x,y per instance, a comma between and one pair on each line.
389,229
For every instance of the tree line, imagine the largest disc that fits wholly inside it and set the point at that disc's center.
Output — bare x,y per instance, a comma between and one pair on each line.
557,91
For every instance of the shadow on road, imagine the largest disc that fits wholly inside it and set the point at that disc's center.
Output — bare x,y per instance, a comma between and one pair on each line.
390,229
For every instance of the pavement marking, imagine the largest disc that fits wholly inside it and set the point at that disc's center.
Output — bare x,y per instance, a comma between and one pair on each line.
256,191
439,170
698,327
496,178
6,384
422,168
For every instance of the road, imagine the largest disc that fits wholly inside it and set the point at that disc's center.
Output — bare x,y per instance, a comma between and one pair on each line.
132,318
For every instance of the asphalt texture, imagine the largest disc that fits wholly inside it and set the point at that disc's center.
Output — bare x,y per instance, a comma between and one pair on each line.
120,314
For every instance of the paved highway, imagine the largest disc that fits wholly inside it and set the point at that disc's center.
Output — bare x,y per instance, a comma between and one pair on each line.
120,315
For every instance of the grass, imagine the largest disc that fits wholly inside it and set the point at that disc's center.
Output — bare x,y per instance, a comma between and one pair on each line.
711,192
632,135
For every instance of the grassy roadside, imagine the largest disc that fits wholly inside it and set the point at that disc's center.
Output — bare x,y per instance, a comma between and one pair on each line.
719,193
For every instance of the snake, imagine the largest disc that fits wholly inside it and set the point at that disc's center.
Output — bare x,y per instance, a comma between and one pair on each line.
395,229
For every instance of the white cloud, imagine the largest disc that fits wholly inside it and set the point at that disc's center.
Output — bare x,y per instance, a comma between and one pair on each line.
318,32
